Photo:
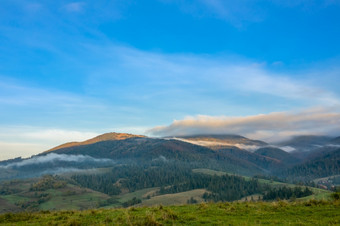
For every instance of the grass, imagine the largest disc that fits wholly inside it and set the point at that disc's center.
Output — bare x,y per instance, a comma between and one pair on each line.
318,194
175,199
139,194
74,199
70,197
15,198
255,213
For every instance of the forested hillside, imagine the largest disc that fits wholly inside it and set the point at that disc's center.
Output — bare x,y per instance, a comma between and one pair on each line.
325,165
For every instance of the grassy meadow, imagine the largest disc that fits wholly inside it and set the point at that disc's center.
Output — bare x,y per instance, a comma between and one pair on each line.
310,212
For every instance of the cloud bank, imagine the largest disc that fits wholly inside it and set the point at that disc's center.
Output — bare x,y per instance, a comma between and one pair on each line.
51,158
273,127
250,148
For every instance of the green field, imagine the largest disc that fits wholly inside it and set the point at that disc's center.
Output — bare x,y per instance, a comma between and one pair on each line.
18,195
69,197
255,213
140,194
175,199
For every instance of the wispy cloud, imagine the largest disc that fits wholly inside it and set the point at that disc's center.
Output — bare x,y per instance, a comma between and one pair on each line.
242,12
222,73
33,7
75,6
14,93
250,148
269,127
235,12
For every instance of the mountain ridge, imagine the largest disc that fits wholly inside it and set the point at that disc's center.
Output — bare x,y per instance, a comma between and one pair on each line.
99,138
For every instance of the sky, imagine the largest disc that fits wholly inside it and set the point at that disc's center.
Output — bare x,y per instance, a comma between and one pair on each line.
71,70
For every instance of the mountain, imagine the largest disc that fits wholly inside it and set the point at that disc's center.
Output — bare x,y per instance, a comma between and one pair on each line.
103,137
278,154
144,150
335,141
139,148
222,141
318,152
223,156
307,142
230,153
264,163
324,165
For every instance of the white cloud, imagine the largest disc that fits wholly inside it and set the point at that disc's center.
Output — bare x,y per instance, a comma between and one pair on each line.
287,148
250,148
268,127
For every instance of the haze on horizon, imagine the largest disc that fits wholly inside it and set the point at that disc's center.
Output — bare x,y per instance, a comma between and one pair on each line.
71,70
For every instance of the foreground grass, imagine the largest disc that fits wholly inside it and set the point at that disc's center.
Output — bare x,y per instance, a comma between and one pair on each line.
299,213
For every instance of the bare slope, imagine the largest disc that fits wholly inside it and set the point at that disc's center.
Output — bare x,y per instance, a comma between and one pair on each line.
103,137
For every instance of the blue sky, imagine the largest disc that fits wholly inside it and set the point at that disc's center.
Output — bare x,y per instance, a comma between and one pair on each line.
70,70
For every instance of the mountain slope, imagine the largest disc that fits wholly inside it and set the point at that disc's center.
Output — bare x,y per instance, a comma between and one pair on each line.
148,149
221,152
278,154
103,137
222,141
335,141
265,163
323,166
306,143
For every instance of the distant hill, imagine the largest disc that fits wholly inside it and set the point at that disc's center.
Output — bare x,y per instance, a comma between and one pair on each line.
151,149
335,141
230,153
321,166
265,163
278,154
223,141
103,137
306,143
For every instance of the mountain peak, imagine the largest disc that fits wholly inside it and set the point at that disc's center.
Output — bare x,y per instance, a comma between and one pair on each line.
102,137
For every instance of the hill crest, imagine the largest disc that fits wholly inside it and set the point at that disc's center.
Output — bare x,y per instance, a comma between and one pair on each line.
103,137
